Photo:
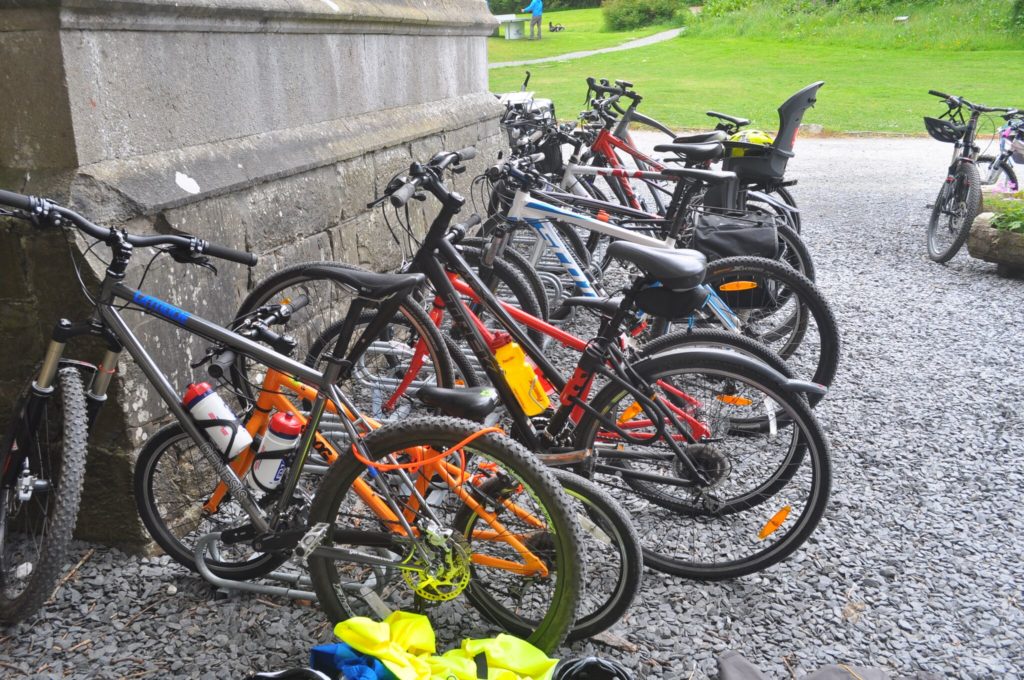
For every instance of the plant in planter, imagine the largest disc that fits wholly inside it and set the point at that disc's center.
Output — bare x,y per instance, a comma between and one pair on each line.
998,236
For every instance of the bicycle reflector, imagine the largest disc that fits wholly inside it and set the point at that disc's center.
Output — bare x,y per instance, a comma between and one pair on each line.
772,525
736,286
733,400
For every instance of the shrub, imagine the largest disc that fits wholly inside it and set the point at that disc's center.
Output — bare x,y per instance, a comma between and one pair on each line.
623,15
1017,14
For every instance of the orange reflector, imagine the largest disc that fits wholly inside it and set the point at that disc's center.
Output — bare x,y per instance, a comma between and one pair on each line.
602,216
734,400
630,412
736,286
774,523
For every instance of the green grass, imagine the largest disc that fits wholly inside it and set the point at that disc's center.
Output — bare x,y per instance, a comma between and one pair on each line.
865,89
584,30
934,24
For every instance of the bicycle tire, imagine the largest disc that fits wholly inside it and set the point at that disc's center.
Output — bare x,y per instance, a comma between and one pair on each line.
794,217
517,261
189,481
995,169
783,322
549,627
961,201
520,290
794,252
464,368
59,518
714,337
603,520
722,528
410,324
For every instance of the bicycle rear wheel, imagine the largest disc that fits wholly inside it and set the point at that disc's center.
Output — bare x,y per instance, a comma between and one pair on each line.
764,488
516,513
42,456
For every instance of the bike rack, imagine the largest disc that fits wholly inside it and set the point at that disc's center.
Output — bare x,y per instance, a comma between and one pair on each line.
207,545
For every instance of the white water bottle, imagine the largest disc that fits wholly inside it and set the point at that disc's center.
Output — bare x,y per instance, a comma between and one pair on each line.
204,404
271,460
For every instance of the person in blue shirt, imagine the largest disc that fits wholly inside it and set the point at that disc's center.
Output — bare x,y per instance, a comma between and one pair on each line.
536,7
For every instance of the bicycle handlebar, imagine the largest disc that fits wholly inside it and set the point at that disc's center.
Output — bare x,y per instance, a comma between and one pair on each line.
953,100
441,160
39,208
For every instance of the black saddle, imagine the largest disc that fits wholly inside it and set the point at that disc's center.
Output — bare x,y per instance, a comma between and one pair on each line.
739,122
677,269
368,284
694,153
471,403
701,137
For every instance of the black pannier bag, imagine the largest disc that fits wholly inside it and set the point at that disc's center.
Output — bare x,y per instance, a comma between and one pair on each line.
719,236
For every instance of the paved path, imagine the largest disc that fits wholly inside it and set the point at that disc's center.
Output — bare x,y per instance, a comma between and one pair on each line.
632,44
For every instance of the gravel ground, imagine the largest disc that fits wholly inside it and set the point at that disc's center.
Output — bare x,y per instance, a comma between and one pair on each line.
917,567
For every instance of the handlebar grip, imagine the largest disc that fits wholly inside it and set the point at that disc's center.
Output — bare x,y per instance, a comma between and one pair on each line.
537,157
402,195
224,253
220,367
936,93
299,302
467,154
19,201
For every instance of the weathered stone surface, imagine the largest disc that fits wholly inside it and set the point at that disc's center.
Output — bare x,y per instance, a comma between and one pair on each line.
1004,248
257,124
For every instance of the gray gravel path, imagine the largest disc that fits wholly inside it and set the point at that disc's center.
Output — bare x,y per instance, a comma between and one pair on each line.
916,568
631,45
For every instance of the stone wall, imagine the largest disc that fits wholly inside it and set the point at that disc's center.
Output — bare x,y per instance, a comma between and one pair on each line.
258,124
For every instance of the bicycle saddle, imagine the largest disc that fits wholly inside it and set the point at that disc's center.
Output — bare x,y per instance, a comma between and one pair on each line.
369,284
677,269
701,137
471,403
694,153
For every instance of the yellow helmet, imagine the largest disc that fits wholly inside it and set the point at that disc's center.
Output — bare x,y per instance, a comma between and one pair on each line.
750,137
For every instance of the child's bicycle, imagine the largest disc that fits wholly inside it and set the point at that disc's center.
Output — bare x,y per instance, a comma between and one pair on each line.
429,510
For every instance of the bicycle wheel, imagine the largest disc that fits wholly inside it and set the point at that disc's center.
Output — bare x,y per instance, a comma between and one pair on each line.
612,556
793,251
511,288
715,338
954,211
520,513
764,489
521,265
173,481
42,487
782,309
994,168
384,380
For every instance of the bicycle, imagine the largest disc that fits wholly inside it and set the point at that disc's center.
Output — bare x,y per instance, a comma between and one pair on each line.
1011,149
400,535
785,433
959,199
169,499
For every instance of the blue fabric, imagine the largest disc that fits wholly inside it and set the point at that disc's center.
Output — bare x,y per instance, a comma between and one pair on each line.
536,7
338,656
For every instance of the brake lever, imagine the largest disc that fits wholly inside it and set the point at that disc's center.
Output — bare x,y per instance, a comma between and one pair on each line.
180,254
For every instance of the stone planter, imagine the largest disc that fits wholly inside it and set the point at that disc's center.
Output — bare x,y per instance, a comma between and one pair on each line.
1003,248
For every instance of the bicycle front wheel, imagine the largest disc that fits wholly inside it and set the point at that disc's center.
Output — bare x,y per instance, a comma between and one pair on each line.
954,211
42,456
495,531
761,490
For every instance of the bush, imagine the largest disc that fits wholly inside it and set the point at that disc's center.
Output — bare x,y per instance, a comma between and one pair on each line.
624,15
1017,13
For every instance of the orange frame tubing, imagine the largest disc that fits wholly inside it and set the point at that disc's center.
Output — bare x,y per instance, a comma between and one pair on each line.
271,399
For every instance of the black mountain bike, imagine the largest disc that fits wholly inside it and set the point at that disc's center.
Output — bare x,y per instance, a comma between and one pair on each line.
419,513
959,199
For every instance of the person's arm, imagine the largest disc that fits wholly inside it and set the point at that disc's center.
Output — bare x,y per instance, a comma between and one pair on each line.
531,6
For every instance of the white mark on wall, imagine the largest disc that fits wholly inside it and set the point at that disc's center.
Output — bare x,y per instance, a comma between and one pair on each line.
186,183
331,5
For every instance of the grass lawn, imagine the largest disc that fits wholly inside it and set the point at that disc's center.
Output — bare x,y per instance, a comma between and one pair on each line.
865,90
584,30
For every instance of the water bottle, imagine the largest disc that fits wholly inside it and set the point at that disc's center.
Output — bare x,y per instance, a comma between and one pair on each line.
204,404
521,375
271,460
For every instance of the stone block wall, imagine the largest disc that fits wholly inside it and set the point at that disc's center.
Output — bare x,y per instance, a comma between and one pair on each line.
259,124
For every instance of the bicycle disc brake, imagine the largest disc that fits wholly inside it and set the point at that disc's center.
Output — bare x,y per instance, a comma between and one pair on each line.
447,577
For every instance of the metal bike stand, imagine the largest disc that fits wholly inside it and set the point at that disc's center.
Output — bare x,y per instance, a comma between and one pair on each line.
207,545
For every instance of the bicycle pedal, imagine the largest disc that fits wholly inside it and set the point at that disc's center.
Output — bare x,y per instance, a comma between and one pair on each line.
311,541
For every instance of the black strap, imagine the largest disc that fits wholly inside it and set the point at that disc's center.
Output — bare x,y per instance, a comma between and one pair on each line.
481,666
